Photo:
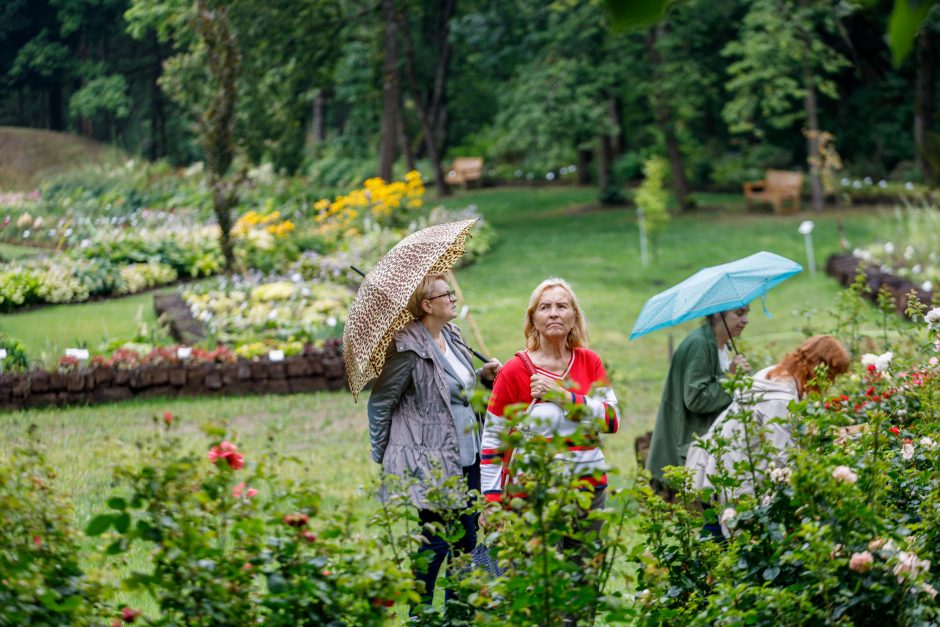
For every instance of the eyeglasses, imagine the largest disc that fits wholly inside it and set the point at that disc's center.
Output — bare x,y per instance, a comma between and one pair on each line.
451,294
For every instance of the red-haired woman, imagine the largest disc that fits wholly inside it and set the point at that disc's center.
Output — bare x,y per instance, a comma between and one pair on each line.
770,394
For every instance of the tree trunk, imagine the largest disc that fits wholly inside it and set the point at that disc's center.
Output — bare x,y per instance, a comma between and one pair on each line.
618,140
431,112
218,121
663,117
318,124
21,106
584,166
403,145
605,155
391,93
924,103
56,118
812,137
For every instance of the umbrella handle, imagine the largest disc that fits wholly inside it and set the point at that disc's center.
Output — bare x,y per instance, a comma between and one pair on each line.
358,271
730,339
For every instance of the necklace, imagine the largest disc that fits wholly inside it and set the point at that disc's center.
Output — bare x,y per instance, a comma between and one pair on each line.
441,343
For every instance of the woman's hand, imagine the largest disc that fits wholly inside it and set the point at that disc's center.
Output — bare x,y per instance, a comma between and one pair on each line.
548,389
739,363
491,369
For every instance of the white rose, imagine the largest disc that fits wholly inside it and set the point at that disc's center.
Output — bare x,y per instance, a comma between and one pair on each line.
907,451
883,361
844,473
869,359
928,443
932,317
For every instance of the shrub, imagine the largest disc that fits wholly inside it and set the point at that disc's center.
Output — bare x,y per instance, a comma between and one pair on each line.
41,579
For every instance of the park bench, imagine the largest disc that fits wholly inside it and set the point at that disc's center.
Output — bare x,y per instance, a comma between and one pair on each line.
465,170
777,188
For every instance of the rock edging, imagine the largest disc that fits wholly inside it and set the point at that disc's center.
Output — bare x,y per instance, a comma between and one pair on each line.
311,372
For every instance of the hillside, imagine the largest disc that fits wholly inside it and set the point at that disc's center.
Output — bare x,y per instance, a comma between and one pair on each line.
28,156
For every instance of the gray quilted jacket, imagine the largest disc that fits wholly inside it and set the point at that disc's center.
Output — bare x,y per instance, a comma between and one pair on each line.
411,424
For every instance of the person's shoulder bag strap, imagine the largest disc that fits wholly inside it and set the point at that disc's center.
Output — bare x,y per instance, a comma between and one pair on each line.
507,454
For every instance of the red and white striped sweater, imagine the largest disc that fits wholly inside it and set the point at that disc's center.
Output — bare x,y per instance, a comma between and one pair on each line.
586,378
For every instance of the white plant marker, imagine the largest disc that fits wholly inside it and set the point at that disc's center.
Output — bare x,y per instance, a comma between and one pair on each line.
806,230
184,352
276,355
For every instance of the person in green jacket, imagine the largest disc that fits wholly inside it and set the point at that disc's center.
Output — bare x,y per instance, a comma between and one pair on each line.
693,396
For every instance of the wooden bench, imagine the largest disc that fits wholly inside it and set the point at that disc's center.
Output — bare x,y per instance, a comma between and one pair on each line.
777,188
465,170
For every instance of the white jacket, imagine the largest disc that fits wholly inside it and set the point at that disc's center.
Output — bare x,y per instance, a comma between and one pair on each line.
772,397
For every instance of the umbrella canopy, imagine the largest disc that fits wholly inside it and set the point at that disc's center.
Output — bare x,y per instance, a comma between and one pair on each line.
381,306
715,289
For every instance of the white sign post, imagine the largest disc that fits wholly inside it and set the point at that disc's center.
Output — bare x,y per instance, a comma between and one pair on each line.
644,245
806,229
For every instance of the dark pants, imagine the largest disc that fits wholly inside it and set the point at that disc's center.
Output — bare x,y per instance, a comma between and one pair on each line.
440,547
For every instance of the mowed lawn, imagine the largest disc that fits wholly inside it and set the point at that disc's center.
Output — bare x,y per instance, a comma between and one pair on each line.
541,232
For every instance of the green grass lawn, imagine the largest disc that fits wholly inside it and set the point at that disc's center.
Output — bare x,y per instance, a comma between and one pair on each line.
541,232
9,252
48,331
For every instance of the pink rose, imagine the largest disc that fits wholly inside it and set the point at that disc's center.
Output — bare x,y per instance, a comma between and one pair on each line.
861,562
167,418
239,490
129,615
228,452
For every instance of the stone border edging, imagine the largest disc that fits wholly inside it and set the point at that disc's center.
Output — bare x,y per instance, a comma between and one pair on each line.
311,372
844,268
183,327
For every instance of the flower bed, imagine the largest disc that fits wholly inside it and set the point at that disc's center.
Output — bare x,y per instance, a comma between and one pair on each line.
255,309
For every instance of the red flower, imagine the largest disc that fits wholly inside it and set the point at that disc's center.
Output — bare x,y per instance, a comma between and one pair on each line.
37,541
309,536
228,452
895,430
167,418
907,440
844,397
377,602
129,614
870,392
247,566
827,405
871,367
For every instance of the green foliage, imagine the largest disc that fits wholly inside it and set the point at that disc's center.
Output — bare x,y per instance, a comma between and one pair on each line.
105,93
652,197
232,543
780,43
43,582
833,535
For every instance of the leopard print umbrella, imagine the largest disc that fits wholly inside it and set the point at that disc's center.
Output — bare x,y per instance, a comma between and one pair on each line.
381,306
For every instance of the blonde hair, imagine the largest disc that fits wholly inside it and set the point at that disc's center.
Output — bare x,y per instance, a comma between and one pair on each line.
421,292
577,337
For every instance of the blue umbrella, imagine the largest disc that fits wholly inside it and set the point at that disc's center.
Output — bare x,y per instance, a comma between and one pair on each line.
718,288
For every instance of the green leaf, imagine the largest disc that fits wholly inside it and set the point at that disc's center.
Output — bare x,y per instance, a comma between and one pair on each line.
122,522
637,13
99,524
276,583
906,19
115,547
117,502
